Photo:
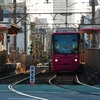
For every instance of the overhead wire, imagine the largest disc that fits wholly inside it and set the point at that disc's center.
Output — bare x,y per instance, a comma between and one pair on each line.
55,5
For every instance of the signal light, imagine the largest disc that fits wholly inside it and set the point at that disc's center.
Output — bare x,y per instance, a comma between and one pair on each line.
8,39
89,37
56,60
14,33
75,60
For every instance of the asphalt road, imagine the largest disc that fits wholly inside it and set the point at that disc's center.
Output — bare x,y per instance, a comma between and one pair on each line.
44,92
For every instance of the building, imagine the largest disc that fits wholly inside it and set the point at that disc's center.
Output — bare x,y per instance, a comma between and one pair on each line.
47,15
7,6
39,12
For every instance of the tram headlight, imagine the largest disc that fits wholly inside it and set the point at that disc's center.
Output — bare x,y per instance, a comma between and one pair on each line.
75,60
56,60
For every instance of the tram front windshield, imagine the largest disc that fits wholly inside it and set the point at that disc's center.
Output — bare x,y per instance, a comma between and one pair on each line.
65,43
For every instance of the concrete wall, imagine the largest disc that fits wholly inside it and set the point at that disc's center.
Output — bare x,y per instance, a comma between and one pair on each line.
22,58
92,58
3,55
97,16
97,21
25,59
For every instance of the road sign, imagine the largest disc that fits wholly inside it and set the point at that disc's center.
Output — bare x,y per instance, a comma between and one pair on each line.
89,27
32,75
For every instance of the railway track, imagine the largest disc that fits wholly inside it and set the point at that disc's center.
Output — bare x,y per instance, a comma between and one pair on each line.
40,78
63,79
18,77
43,76
74,80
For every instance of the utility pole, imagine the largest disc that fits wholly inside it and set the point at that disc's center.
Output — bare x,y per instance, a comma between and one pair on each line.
25,40
93,22
14,18
93,3
82,35
66,13
93,11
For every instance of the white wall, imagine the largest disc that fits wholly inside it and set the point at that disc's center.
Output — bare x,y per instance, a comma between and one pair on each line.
39,6
97,16
20,41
